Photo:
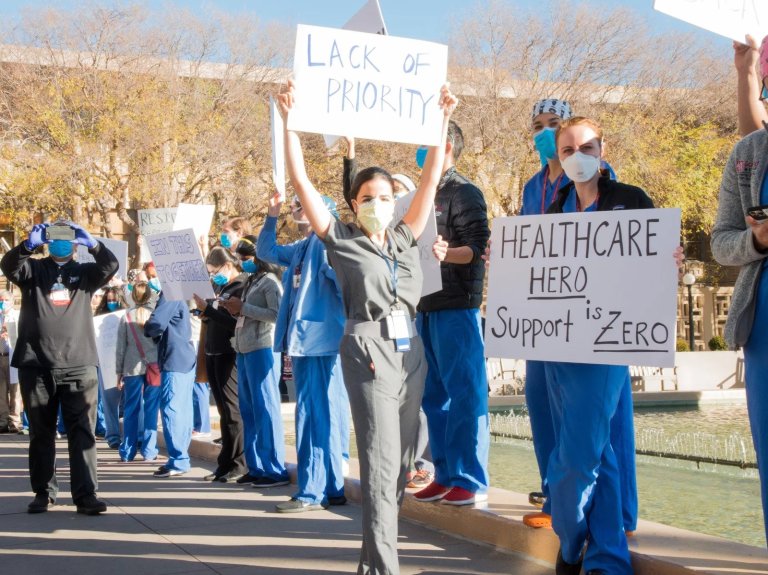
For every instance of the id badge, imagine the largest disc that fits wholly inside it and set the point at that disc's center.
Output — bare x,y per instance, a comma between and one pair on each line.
399,329
59,295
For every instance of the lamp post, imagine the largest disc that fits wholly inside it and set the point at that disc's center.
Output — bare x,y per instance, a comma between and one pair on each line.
689,279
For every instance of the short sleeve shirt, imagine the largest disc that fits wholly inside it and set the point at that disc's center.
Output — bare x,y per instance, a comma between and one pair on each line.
364,276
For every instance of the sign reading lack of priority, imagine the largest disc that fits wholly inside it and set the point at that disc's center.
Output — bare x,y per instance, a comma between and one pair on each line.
596,287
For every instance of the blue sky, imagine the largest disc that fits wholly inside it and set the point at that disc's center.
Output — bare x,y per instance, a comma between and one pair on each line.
424,19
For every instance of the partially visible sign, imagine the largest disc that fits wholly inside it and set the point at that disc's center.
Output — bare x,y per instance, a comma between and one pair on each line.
154,221
196,216
117,247
596,287
430,266
180,265
106,327
367,85
278,148
733,19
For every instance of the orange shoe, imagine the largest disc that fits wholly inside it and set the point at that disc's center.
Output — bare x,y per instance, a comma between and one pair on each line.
629,533
538,520
420,479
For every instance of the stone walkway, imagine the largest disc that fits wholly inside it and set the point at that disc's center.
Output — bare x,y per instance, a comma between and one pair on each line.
185,526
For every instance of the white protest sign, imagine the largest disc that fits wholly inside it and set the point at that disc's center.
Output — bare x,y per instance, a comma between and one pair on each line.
368,19
278,148
430,266
597,287
196,216
733,19
106,327
154,221
368,86
179,265
117,247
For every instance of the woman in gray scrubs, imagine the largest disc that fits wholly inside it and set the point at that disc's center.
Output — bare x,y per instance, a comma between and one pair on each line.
382,358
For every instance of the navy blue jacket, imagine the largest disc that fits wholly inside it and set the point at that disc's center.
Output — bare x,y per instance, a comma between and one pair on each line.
169,326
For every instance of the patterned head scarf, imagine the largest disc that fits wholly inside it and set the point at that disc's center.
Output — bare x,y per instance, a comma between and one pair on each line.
764,58
559,108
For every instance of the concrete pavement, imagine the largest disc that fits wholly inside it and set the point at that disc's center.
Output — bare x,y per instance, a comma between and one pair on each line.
184,526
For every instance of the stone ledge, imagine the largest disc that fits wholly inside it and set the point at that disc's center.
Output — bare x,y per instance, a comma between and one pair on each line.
656,549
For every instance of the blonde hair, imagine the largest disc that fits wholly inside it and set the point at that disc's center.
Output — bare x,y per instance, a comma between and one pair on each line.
141,295
579,121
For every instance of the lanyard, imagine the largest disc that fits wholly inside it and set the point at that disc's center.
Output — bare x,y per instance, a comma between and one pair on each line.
544,188
392,268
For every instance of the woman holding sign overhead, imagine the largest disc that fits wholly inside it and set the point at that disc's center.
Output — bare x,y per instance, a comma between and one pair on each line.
382,357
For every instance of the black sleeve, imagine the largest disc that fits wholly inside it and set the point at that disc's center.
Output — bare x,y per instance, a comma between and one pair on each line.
469,220
102,270
222,317
17,265
350,172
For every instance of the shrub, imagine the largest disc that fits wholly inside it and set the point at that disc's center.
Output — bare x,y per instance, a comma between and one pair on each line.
717,343
682,345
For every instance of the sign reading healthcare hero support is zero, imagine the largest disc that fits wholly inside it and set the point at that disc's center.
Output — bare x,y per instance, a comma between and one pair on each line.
595,287
368,85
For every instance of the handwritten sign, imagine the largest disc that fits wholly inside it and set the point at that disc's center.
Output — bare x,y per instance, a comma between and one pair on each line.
106,327
430,266
733,19
180,265
368,19
278,148
596,287
118,247
196,216
368,85
154,221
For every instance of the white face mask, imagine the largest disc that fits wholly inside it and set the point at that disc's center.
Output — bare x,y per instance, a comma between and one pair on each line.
580,167
375,215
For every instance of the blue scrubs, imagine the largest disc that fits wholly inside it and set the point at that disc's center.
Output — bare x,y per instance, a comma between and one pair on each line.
756,377
258,390
202,409
456,397
176,410
149,449
309,326
133,386
538,194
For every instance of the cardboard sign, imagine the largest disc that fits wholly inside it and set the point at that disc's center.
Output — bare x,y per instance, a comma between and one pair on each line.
180,265
368,86
597,287
106,327
430,266
154,221
196,216
733,19
368,19
117,247
278,148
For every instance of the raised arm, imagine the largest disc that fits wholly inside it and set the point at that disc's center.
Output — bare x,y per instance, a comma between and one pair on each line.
318,215
424,198
267,248
751,111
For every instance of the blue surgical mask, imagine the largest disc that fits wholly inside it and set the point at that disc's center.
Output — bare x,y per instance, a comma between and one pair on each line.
421,156
250,267
2,305
130,287
220,279
225,240
764,93
60,248
154,283
544,140
113,305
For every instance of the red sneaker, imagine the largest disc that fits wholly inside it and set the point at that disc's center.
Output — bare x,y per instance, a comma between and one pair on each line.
432,492
460,496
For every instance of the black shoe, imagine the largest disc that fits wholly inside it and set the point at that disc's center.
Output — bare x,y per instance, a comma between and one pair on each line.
340,500
537,499
269,482
40,503
214,476
217,441
564,568
89,505
247,478
231,477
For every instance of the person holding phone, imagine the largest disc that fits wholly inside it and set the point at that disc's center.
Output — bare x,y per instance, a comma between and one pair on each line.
740,238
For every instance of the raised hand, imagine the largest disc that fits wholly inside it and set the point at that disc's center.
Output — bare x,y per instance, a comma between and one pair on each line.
285,100
275,205
82,236
36,237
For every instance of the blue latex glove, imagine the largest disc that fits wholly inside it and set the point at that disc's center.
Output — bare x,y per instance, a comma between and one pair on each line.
36,237
82,237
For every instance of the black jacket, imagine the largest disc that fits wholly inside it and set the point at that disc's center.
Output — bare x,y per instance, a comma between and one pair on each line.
56,336
613,196
220,323
462,220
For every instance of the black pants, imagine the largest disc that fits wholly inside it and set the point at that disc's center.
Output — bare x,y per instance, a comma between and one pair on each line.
75,389
222,377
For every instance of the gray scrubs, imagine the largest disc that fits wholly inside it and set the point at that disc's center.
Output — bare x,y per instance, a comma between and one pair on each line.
384,386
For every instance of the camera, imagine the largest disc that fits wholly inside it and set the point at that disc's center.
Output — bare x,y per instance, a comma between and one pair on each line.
59,233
